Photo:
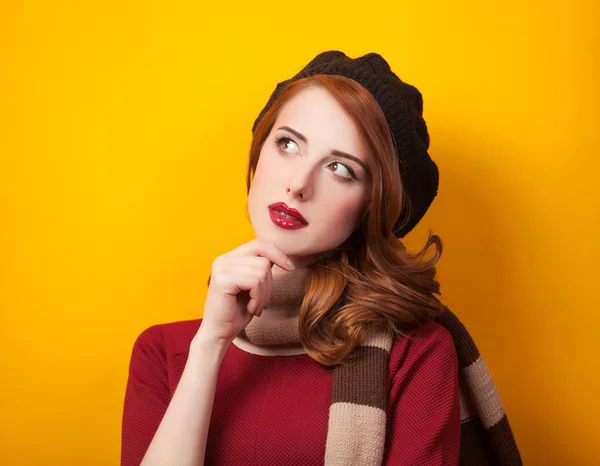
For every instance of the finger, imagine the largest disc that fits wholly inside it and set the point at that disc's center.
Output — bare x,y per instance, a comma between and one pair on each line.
252,266
257,262
258,293
254,278
238,278
265,294
262,248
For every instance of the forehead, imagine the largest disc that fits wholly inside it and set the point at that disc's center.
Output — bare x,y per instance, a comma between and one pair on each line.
316,114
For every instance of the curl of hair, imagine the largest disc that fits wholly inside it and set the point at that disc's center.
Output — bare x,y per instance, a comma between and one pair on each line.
370,281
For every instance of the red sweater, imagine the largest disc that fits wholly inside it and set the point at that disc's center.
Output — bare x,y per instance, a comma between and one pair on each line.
273,410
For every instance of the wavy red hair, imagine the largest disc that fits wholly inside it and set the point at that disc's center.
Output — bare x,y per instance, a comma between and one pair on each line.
371,280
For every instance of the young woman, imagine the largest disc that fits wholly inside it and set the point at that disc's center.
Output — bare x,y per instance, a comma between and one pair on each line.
319,343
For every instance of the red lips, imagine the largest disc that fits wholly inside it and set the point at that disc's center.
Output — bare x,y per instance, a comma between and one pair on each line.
282,207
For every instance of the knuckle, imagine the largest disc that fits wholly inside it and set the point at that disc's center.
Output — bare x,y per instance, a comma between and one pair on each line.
217,262
219,280
257,281
265,264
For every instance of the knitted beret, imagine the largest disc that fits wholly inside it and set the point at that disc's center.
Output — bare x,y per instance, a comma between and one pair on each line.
402,105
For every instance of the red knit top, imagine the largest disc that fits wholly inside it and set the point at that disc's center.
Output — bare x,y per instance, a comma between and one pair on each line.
274,409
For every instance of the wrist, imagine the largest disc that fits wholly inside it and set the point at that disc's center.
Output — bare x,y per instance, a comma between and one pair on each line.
206,344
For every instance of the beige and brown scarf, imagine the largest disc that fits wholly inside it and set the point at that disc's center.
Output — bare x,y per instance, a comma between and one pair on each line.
357,415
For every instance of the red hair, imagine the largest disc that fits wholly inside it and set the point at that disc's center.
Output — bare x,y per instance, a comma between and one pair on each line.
370,280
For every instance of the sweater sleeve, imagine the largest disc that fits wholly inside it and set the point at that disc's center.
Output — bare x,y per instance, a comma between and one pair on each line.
146,396
424,405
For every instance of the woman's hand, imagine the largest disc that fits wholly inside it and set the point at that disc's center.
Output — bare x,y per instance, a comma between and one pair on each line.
240,285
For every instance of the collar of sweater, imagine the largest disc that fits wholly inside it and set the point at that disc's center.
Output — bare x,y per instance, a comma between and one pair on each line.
275,332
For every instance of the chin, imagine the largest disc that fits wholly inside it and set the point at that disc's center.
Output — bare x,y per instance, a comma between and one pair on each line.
285,241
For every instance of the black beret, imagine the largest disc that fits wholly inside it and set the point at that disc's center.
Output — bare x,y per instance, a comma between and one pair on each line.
402,105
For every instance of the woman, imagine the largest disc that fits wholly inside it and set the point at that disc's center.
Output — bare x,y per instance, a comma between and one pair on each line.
337,357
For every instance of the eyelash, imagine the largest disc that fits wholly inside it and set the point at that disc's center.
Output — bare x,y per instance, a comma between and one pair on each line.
280,139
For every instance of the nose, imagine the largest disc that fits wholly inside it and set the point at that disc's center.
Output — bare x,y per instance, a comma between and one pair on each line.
300,184
294,194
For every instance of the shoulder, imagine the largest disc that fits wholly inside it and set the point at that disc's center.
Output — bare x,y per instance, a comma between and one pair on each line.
431,334
158,357
170,337
430,345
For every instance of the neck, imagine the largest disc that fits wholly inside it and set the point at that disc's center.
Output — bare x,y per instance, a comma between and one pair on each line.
302,262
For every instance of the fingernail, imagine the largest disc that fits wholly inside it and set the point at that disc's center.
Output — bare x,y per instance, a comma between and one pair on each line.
291,264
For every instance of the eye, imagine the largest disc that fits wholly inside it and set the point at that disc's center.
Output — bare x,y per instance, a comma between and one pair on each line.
349,171
282,140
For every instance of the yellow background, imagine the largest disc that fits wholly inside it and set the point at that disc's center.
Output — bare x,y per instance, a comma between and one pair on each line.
124,134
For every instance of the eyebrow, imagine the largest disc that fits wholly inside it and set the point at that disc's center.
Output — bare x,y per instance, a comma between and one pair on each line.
335,152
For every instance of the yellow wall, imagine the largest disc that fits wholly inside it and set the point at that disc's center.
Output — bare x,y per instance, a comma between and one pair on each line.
124,132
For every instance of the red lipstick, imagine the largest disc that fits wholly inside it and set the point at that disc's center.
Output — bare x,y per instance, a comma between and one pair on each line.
286,217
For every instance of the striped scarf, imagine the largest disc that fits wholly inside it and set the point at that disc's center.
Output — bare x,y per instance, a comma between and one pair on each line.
357,413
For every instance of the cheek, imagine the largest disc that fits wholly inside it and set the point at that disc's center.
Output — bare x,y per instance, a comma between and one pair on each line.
261,172
345,213
266,171
267,164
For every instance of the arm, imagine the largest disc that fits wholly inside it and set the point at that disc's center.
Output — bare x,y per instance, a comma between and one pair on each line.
424,426
161,431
